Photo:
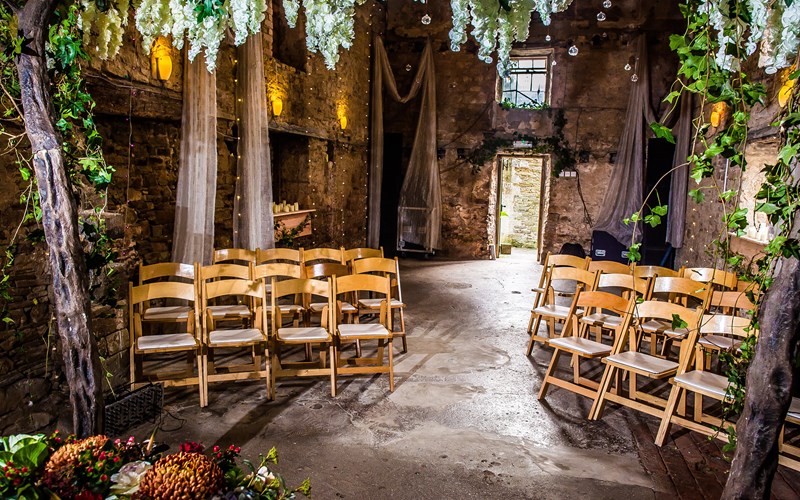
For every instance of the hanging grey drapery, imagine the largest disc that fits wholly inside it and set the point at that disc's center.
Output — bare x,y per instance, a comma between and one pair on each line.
193,236
253,225
676,215
624,194
420,204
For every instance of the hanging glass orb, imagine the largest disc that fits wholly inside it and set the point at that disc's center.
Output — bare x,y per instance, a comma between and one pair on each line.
606,4
601,16
628,67
634,78
553,63
426,19
547,38
408,67
573,51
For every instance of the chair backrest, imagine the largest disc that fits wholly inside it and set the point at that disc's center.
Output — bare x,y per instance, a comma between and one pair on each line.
655,271
723,279
564,260
287,255
725,324
305,287
587,278
165,270
218,271
625,282
277,269
234,254
361,253
138,295
730,302
325,270
324,254
233,287
681,288
610,267
604,301
375,265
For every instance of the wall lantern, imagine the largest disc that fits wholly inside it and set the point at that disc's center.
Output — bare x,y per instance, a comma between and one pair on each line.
719,113
341,112
785,93
343,122
161,59
277,106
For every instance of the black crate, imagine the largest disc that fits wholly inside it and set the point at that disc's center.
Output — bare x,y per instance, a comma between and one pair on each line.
132,408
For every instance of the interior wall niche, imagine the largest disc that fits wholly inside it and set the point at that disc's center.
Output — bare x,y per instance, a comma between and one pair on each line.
289,153
288,44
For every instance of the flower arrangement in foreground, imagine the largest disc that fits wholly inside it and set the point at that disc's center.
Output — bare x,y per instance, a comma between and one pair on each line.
97,468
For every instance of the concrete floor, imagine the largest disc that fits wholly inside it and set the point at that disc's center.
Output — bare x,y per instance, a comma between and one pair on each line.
463,421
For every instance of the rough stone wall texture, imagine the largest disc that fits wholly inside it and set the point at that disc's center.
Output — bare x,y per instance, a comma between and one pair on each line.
590,89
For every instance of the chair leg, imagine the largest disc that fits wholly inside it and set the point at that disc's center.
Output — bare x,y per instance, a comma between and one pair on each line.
403,329
205,377
600,398
667,418
333,365
551,368
200,378
391,365
533,333
268,367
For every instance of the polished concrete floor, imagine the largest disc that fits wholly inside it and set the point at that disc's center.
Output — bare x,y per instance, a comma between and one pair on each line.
463,421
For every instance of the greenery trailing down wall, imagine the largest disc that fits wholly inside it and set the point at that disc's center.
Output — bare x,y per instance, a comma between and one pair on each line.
564,157
715,66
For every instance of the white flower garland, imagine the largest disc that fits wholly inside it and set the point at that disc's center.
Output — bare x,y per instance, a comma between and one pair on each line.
108,25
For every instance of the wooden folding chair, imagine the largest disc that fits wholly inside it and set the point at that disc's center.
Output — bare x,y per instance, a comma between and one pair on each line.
241,256
324,270
363,332
238,308
187,341
252,338
656,271
722,280
701,382
172,272
305,336
612,313
634,363
277,255
391,269
683,291
360,253
281,271
730,303
552,261
552,312
790,453
610,267
319,255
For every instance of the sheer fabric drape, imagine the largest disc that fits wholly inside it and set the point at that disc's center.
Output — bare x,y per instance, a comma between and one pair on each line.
676,215
252,206
420,205
624,194
193,237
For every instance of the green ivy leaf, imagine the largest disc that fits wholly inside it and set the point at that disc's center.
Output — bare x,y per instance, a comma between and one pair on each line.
678,323
697,195
663,132
659,210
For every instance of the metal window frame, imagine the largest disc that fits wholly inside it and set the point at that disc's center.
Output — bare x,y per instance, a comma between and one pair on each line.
546,54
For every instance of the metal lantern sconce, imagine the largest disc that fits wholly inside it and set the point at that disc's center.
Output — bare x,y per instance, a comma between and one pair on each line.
719,113
785,93
341,113
161,59
343,122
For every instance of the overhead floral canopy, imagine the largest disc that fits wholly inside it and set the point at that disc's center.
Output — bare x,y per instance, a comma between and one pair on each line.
496,25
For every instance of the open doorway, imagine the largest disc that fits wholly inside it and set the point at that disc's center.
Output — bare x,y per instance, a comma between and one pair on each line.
519,203
655,250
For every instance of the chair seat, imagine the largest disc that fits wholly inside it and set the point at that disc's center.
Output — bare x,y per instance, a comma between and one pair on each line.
555,311
290,308
363,330
376,303
600,319
221,338
705,382
305,334
665,328
794,411
580,346
175,341
232,311
347,307
719,342
653,366
167,313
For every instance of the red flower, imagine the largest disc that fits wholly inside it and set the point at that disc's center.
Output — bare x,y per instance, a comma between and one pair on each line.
104,478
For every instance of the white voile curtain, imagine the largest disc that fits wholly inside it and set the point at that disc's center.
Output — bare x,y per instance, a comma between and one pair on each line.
420,205
193,237
676,215
624,194
253,225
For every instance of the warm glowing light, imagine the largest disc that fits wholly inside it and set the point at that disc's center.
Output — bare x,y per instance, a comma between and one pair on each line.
785,93
277,106
161,59
341,112
343,122
719,113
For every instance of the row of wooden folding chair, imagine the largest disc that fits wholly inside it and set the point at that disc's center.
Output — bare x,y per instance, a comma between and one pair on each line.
296,256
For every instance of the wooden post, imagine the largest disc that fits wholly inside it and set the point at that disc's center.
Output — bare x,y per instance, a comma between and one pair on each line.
769,387
60,222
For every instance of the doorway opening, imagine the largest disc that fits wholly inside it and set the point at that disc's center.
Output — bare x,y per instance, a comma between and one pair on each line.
655,250
520,203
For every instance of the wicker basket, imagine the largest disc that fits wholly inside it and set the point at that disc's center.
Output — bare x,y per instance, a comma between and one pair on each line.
131,408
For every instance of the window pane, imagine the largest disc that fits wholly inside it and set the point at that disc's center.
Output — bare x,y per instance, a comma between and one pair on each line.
539,83
525,63
540,63
509,83
524,81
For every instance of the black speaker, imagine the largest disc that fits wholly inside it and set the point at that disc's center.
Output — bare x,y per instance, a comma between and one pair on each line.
606,247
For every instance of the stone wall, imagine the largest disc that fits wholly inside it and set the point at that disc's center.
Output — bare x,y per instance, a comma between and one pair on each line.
591,90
